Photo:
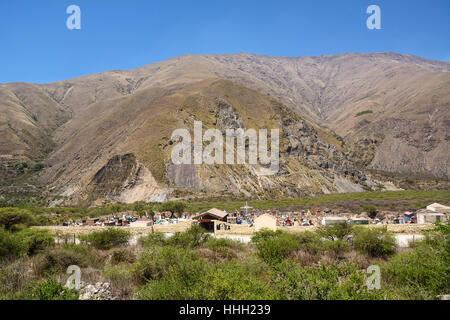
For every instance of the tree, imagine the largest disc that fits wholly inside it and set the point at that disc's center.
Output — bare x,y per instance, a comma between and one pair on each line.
376,242
370,209
10,218
336,232
21,166
173,206
38,166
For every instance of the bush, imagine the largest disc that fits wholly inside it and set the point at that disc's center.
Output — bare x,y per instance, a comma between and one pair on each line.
376,242
14,278
219,243
10,244
122,255
423,272
336,232
310,242
154,263
106,239
121,280
370,209
59,259
337,248
35,240
155,238
21,166
38,166
219,249
51,289
13,218
363,113
191,238
265,234
172,206
273,247
343,282
199,280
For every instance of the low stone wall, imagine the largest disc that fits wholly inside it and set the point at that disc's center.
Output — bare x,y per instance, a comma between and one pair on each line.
409,228
394,228
135,231
172,228
295,229
233,229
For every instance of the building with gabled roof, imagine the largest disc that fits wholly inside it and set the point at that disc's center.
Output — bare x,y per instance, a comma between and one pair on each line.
437,207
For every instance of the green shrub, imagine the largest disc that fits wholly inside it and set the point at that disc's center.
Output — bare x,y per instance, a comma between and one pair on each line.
10,244
335,232
37,166
51,289
121,280
21,166
222,244
120,255
370,209
337,247
155,238
265,234
363,113
336,282
35,240
193,237
420,274
217,250
199,280
106,239
14,218
59,259
273,247
271,250
376,242
172,206
309,241
156,262
14,278
424,271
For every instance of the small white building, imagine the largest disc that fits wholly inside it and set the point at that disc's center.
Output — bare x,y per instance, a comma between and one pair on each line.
437,207
428,216
266,221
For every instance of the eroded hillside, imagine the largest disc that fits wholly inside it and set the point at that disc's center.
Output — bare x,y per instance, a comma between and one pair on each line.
108,135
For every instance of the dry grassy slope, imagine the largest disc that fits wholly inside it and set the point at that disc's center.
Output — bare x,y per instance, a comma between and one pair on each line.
403,92
117,112
28,118
141,124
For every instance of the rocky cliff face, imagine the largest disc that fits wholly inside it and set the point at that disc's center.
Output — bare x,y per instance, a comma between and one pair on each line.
124,179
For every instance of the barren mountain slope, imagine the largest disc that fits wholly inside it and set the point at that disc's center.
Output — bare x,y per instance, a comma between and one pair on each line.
125,145
392,112
399,93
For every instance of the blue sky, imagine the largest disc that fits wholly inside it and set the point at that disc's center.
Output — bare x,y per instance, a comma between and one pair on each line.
36,45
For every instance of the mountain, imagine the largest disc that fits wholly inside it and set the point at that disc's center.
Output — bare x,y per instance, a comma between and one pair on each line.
346,123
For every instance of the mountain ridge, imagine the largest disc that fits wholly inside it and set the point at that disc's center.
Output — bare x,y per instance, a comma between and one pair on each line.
381,111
